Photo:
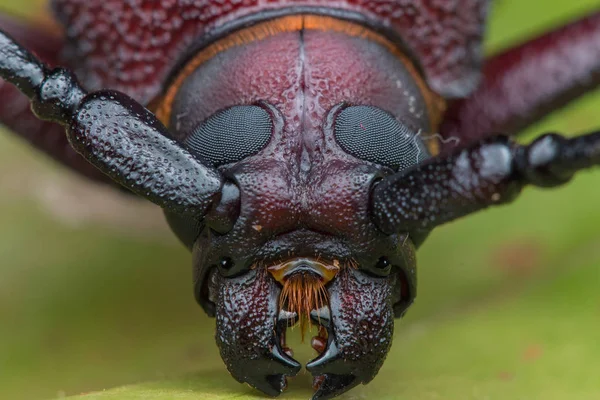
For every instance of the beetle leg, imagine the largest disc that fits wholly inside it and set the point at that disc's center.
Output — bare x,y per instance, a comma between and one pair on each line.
525,83
490,173
15,109
250,330
115,133
360,325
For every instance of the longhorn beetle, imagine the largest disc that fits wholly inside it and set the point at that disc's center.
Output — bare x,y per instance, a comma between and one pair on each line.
300,149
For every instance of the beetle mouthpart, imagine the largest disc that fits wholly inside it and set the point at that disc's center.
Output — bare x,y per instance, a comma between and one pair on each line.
301,294
304,266
251,332
303,281
359,323
355,320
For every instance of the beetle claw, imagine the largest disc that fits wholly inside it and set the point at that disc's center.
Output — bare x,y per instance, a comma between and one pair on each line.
333,375
329,361
249,333
268,372
333,385
359,323
251,330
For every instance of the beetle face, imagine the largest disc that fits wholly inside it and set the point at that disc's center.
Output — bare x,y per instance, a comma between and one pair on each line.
301,136
286,132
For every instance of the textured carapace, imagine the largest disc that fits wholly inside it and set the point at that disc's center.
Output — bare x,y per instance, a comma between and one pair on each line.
131,46
304,198
294,148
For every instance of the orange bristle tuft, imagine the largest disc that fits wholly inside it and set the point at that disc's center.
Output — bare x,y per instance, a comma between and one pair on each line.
301,294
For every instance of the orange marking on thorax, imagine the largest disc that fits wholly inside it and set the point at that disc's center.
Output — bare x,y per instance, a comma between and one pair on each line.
435,103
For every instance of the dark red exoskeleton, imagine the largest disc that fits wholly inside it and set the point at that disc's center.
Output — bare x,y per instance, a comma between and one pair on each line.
301,149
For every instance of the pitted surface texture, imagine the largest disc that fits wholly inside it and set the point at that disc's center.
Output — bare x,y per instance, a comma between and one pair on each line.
132,45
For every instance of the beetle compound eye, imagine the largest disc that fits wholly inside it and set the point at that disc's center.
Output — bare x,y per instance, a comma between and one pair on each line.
372,134
231,135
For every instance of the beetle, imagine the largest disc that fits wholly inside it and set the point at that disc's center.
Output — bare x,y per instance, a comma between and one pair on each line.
301,151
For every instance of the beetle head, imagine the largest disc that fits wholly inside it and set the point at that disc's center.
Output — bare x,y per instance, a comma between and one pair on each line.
291,239
286,246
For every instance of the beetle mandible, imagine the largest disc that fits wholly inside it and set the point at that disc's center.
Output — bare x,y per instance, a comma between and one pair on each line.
300,149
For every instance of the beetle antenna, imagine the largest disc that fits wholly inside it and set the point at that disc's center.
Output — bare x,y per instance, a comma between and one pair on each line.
492,172
115,133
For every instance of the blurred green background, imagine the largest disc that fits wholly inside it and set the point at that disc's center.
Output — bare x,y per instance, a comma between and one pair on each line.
96,294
